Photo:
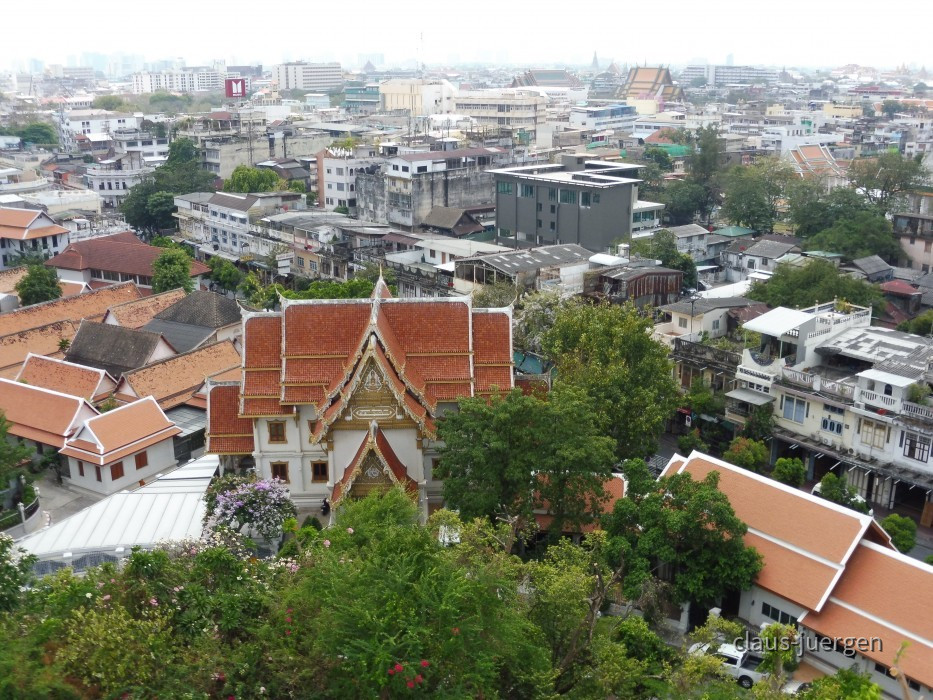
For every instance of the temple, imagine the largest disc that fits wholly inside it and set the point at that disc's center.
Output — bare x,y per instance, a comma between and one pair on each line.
340,397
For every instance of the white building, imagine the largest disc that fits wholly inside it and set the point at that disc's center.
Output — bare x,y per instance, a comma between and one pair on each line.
28,232
308,76
418,97
189,79
512,110
113,178
93,121
619,117
337,171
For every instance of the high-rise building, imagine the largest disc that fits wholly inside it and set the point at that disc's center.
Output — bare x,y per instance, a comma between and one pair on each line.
299,75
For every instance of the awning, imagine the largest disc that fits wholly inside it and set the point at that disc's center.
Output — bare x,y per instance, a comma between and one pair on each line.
749,396
777,322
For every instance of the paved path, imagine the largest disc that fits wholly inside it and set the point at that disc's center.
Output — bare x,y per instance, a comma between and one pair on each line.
58,502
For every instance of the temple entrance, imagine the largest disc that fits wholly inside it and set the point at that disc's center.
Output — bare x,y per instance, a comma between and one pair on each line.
373,477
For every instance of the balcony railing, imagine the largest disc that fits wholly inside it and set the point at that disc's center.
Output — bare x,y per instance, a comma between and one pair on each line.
916,410
686,349
817,383
876,399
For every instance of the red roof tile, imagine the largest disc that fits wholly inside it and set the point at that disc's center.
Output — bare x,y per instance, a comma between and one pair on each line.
118,253
227,432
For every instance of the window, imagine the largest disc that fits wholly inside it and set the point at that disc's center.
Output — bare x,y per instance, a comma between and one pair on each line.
552,196
834,409
716,324
539,223
280,471
584,199
681,322
873,434
552,226
276,431
116,471
422,169
568,197
301,261
405,168
503,187
340,171
751,264
319,471
394,167
916,446
142,460
795,409
97,473
596,198
527,191
778,615
831,425
80,468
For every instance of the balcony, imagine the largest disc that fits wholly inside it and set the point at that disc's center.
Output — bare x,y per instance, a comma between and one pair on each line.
882,402
687,350
818,383
917,411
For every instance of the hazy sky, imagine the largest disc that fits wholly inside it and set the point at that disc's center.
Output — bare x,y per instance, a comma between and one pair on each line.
782,33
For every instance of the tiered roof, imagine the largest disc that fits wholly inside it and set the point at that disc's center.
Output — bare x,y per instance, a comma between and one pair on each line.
377,444
76,380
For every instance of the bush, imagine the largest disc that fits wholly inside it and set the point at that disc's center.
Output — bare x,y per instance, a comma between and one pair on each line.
903,531
748,454
790,471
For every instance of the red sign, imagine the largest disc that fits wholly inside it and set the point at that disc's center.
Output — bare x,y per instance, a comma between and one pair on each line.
236,87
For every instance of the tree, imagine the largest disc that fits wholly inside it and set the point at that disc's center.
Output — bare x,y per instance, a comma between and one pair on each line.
760,423
262,506
658,156
890,108
748,454
754,192
834,488
607,351
682,200
903,531
15,572
495,296
884,179
40,284
811,209
111,103
685,524
704,166
867,233
790,471
663,246
818,281
38,133
248,179
160,206
508,455
172,270
224,273
13,454
371,273
845,684
920,325
534,316
698,82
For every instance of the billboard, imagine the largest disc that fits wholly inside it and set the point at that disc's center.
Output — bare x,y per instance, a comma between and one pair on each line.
235,87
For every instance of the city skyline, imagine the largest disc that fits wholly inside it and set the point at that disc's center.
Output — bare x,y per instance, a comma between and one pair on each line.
504,36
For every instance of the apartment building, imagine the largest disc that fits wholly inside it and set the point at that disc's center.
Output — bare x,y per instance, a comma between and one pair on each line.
188,79
113,178
93,121
337,169
587,202
418,97
847,398
615,117
509,110
28,232
915,233
300,75
728,75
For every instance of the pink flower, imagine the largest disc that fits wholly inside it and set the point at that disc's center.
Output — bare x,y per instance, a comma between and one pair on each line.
153,602
289,611
327,543
106,597
410,684
350,530
288,632
419,678
455,630
391,671
399,668
288,619
424,663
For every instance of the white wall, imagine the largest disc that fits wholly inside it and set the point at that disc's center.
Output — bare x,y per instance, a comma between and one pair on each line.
161,457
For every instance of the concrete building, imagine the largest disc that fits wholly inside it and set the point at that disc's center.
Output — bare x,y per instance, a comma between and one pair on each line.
308,76
93,121
188,79
418,97
113,178
509,110
337,169
587,202
28,232
614,116
716,76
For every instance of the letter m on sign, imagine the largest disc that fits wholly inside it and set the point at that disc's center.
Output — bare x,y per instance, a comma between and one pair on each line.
236,87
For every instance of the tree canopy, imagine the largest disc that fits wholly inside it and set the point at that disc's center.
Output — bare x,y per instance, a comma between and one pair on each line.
811,208
903,531
12,453
866,233
172,270
607,351
224,273
663,246
746,453
40,284
248,179
885,178
818,281
495,296
110,102
753,193
514,453
37,133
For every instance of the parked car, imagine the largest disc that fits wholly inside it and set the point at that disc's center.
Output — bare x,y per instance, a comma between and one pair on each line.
739,663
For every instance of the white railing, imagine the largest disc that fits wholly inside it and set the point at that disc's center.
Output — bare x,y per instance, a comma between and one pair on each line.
917,410
797,377
873,397
760,376
39,183
845,390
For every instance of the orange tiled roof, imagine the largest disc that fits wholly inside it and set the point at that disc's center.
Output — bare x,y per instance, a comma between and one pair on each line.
376,442
68,378
262,361
174,380
92,306
9,278
70,289
122,252
40,414
121,432
26,224
42,340
227,432
138,312
887,595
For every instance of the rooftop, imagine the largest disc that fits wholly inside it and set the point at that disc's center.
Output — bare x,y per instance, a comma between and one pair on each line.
112,348
76,380
121,253
92,305
39,414
138,312
534,258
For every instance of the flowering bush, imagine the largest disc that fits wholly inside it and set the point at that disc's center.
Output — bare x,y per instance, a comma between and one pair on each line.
261,505
15,570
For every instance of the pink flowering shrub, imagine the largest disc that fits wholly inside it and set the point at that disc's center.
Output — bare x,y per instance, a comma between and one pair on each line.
259,505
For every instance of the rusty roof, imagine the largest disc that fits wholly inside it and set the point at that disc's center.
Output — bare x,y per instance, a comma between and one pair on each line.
138,312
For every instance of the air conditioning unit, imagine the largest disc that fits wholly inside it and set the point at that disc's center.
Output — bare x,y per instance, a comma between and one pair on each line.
860,404
826,441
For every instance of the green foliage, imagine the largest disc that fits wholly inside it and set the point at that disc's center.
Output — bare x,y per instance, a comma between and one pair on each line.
689,525
918,392
12,453
903,531
658,156
40,284
356,288
663,246
342,210
159,207
506,456
682,200
818,281
754,192
834,488
112,103
169,103
224,273
348,143
495,296
248,179
371,271
811,209
534,315
37,133
607,351
172,270
704,166
690,442
748,454
702,399
885,179
867,233
297,186
890,108
790,471
845,684
919,325
15,571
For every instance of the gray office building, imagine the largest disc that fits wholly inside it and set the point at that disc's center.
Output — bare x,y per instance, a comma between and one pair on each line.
587,202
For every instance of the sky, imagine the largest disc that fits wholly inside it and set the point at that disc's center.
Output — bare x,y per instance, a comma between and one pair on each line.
787,33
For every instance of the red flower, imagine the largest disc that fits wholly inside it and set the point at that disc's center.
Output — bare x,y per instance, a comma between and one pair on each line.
391,671
419,679
399,668
287,632
288,619
424,663
455,630
410,684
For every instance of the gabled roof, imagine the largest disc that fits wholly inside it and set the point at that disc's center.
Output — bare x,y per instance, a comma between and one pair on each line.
39,414
175,380
871,265
112,348
376,443
262,368
452,219
138,312
76,380
200,308
9,278
27,224
92,305
120,433
805,540
182,336
120,253
227,432
885,595
44,340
